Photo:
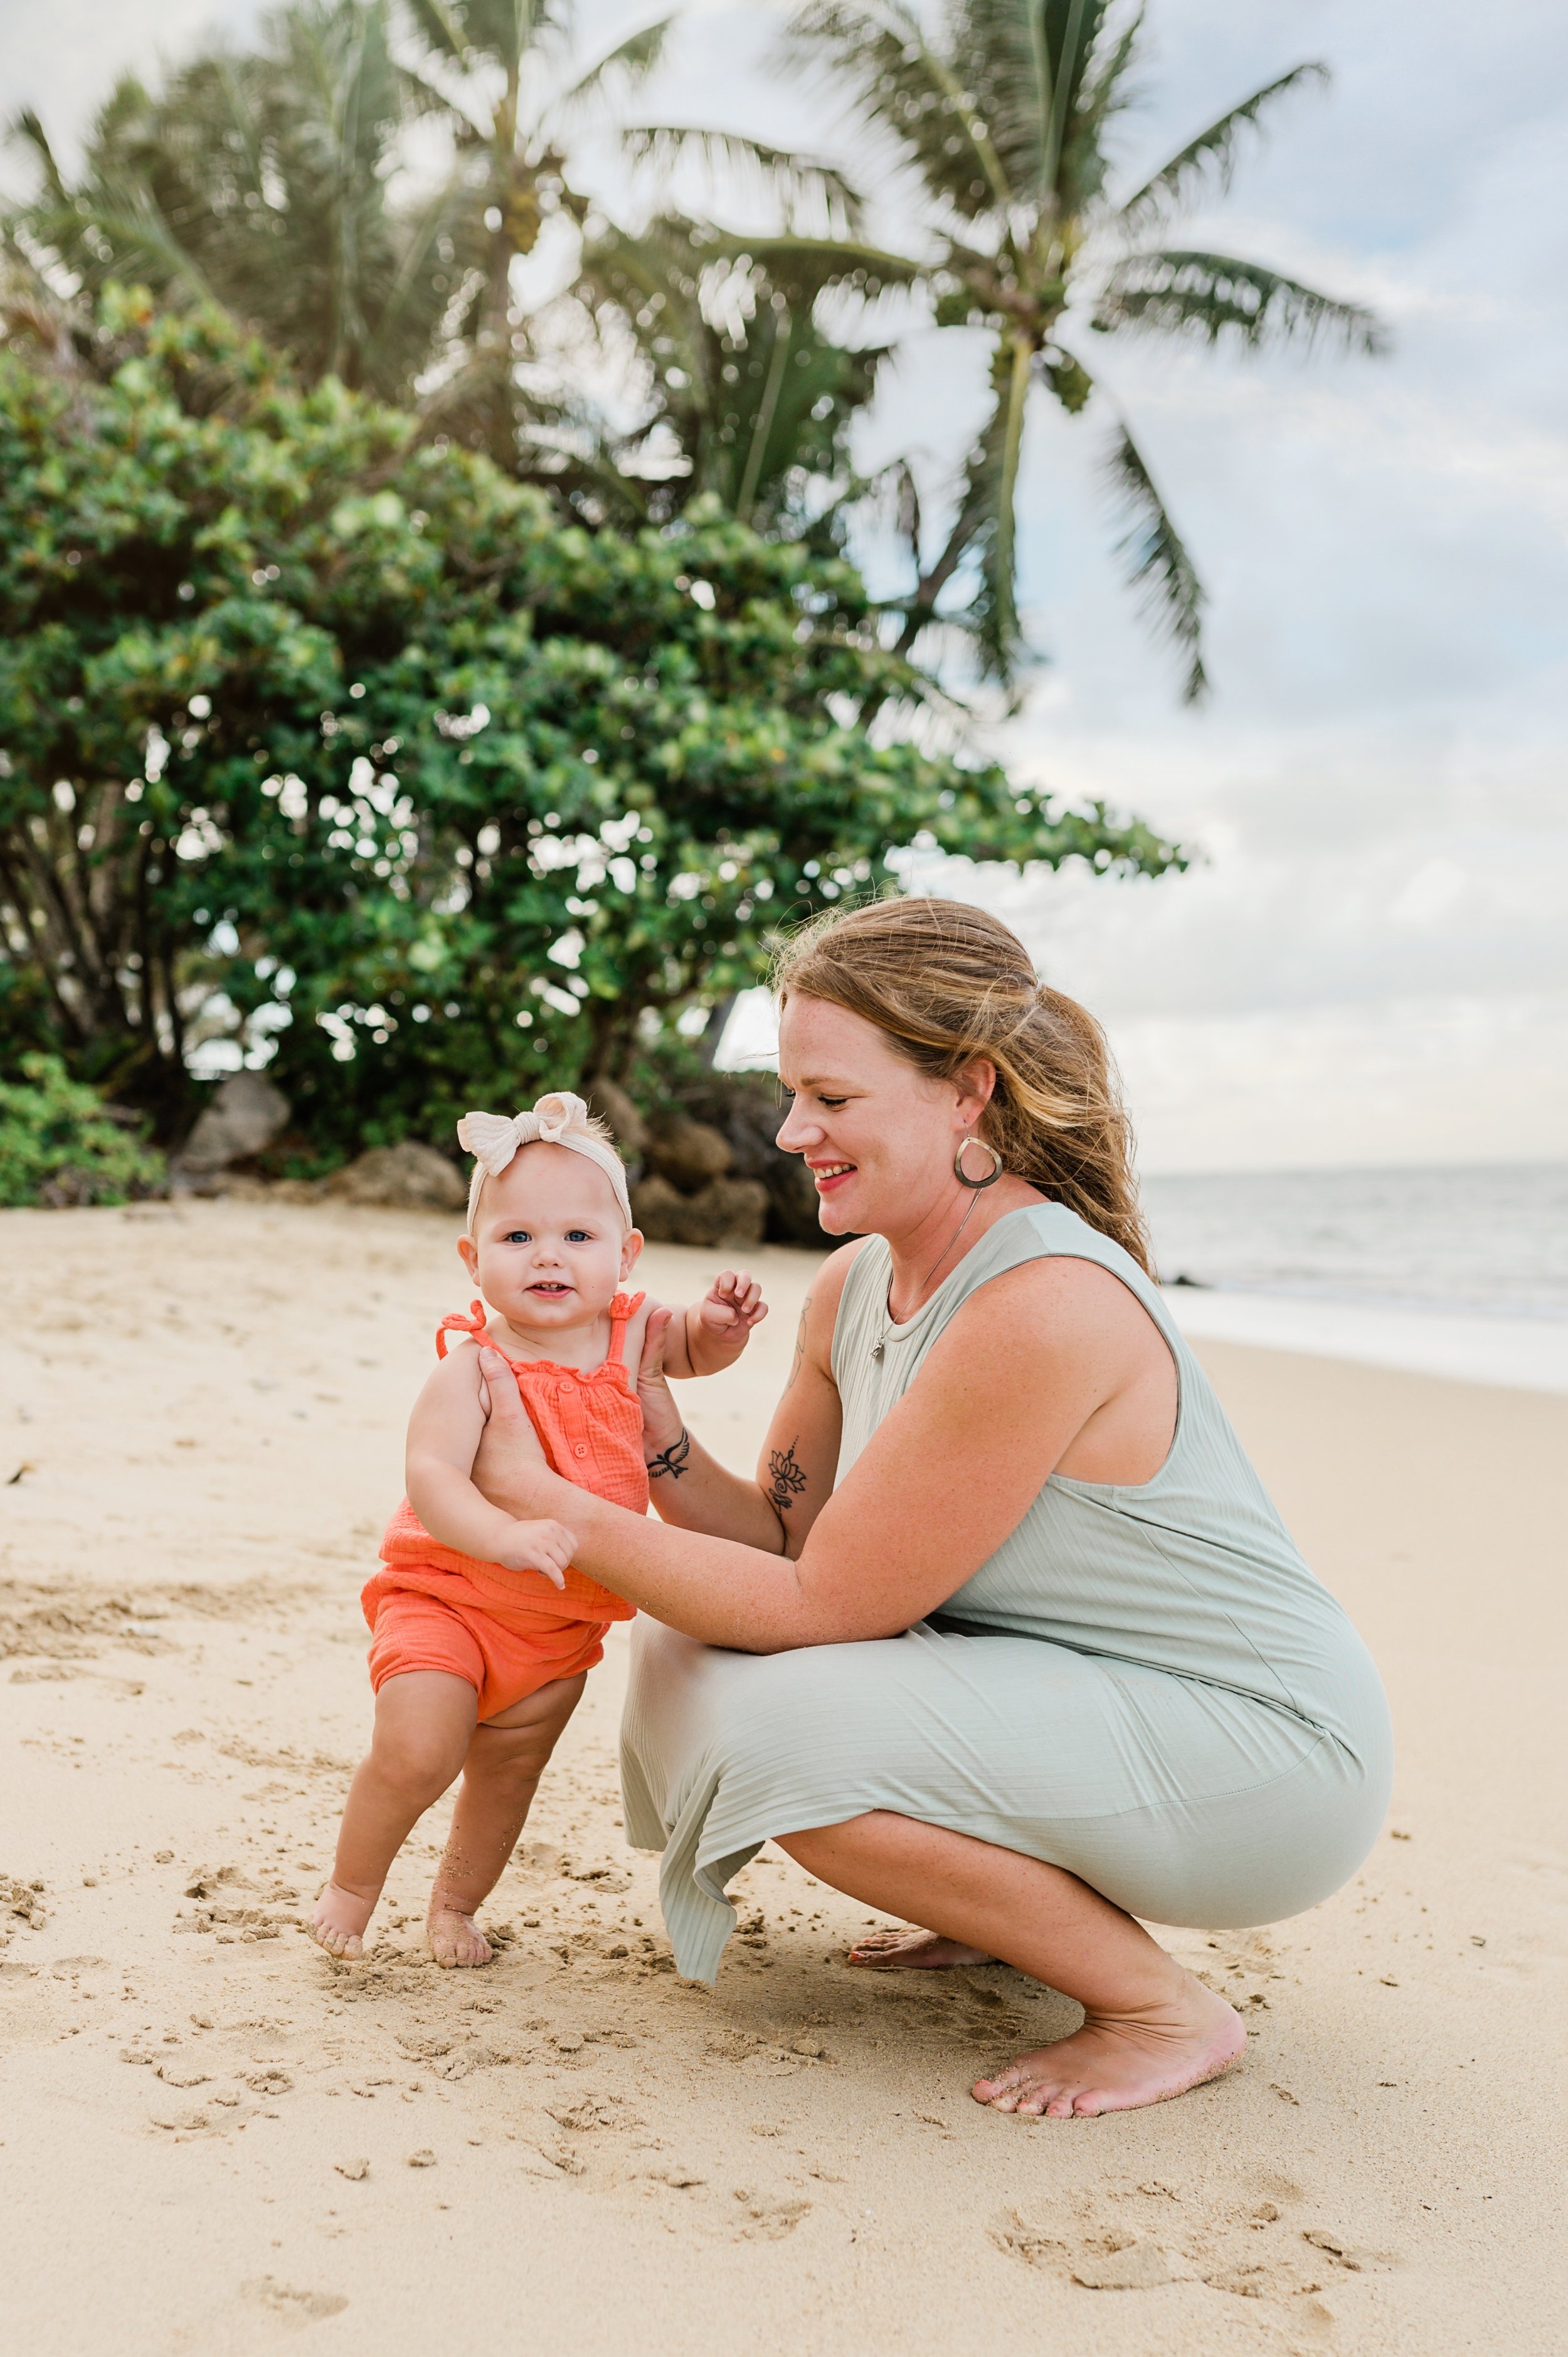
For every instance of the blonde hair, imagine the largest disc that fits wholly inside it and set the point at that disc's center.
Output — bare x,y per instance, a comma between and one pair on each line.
946,983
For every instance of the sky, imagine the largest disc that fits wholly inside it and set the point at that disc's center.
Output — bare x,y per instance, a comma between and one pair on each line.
1368,962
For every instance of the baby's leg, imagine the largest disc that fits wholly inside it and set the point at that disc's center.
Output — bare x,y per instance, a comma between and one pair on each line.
501,1776
425,1720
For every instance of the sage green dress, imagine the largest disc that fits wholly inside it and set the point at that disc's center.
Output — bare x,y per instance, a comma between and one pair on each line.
1145,1684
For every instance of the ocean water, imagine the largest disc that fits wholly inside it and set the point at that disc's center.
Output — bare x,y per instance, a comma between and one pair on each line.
1487,1241
1459,1273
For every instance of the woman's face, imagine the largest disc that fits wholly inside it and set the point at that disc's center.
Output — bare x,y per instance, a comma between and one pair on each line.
877,1135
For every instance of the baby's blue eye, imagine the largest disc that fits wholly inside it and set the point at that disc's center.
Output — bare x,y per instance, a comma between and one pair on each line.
578,1236
517,1236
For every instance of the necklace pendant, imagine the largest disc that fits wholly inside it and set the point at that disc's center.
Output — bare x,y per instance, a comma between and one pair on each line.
876,1349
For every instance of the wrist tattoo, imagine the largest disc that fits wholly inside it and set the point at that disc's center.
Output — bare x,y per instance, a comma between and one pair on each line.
786,1481
672,1460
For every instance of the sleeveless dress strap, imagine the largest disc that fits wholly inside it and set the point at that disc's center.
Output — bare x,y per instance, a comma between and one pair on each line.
623,1308
455,1322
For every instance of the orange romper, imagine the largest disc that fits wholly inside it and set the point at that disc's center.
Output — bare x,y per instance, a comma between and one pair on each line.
511,1633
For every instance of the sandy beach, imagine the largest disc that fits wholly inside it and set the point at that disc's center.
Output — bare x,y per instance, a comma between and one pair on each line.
212,2139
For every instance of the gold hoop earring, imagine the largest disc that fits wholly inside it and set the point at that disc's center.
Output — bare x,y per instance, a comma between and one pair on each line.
975,1185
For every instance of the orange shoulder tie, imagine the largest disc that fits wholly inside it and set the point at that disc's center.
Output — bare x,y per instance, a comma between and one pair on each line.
623,1309
455,1323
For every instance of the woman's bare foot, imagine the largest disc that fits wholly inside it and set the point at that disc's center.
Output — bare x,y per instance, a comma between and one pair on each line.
456,1939
1116,2062
338,1924
895,1952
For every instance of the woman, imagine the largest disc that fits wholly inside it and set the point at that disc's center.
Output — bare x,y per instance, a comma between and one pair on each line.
1006,1639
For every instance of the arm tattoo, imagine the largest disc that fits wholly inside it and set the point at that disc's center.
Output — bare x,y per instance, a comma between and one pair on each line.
672,1460
785,1477
800,1340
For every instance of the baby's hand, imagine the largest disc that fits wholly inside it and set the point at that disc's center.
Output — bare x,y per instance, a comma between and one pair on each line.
732,1306
537,1546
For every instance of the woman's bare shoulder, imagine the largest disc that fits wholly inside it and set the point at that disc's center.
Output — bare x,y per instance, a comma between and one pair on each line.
821,1308
1056,1307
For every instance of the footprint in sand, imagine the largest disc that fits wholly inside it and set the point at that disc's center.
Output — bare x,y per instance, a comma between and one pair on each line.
1353,2256
767,2219
1135,2266
291,2306
590,2112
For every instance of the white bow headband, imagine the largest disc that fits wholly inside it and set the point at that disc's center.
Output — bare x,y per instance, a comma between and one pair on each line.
558,1119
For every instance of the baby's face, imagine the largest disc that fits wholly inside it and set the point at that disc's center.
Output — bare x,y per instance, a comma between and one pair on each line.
549,1248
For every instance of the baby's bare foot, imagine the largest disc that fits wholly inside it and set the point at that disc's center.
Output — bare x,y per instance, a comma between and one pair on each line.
337,1922
913,1951
456,1939
1116,2063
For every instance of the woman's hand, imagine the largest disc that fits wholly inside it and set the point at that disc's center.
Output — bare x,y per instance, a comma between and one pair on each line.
510,1468
662,1420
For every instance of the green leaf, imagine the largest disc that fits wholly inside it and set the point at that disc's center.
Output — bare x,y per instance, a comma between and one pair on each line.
1211,296
1212,155
1157,562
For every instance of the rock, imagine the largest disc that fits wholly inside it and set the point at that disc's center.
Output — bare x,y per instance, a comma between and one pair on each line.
747,1114
613,1105
296,1191
408,1176
732,1212
689,1154
68,1189
242,1118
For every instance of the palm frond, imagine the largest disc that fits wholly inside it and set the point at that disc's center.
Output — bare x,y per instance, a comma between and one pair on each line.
733,362
806,267
793,180
26,131
1213,152
634,57
1026,62
1157,562
1104,92
1208,295
442,30
904,89
979,543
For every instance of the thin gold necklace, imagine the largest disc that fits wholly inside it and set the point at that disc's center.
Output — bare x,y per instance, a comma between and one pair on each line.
887,1334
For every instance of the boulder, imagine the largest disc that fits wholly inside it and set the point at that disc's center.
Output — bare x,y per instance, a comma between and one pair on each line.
611,1103
747,1114
689,1154
408,1176
240,1119
728,1213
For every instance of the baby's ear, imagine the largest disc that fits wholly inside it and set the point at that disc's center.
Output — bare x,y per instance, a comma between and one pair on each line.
631,1251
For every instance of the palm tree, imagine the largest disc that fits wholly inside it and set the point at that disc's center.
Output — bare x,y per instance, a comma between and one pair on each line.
743,394
267,182
1001,121
261,181
510,78
518,92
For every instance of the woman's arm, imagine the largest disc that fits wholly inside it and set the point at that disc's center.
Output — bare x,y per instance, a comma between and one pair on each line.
795,1478
1032,1361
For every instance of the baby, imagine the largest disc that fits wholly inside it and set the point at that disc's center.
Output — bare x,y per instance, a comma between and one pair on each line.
477,1660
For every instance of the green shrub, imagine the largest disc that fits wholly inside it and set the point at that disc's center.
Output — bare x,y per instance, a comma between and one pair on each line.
315,729
61,1144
